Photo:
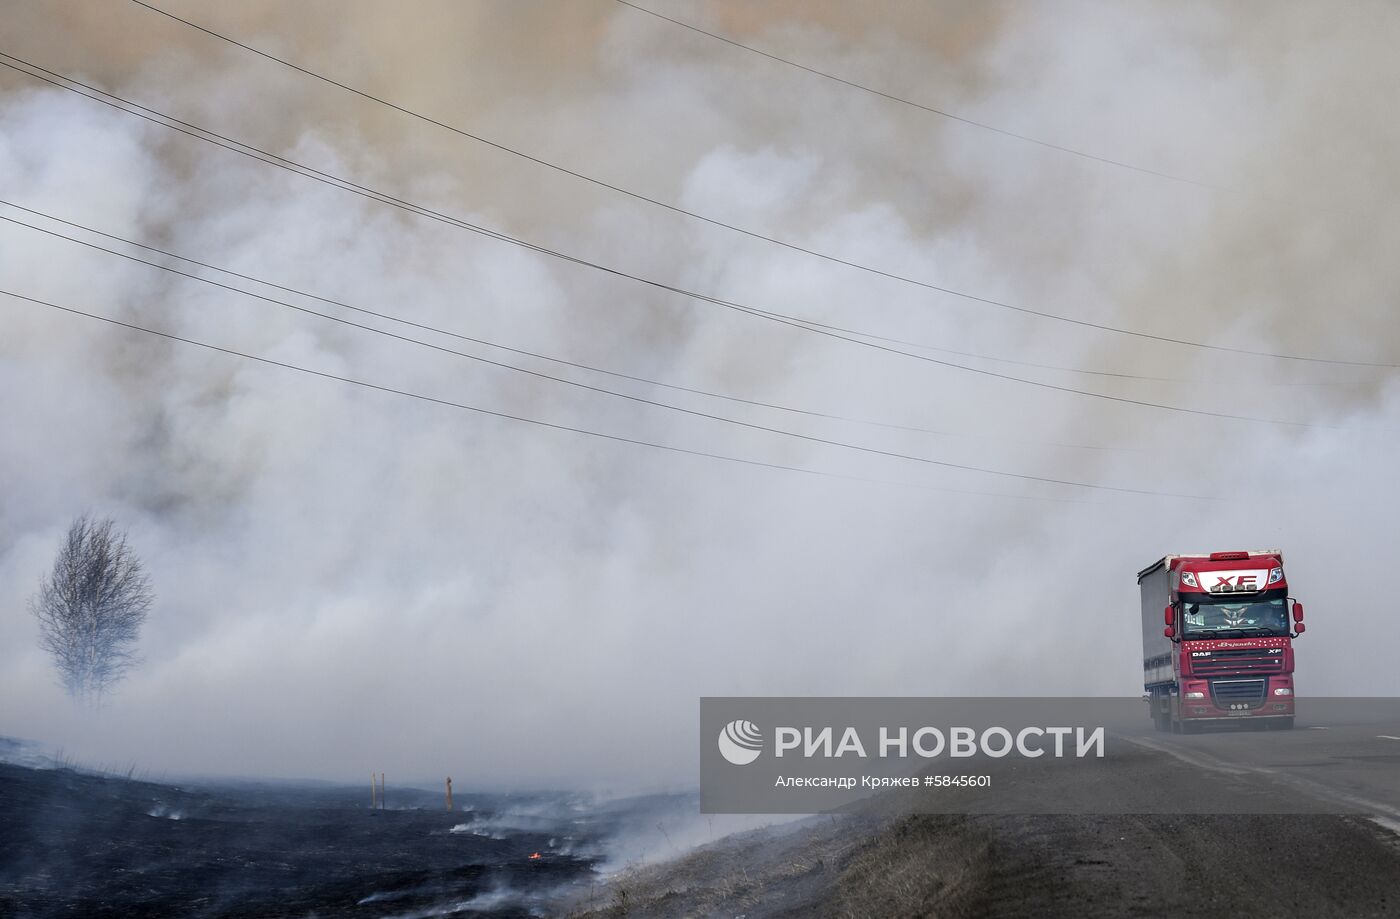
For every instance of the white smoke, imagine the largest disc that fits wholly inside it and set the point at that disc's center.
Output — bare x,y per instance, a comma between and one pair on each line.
350,581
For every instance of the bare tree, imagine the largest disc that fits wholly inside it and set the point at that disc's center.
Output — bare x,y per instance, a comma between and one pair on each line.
91,606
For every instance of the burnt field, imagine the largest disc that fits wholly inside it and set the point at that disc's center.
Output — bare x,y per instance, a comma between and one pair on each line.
73,844
76,844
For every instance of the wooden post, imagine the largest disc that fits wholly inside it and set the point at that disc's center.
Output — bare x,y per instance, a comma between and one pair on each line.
382,805
373,792
449,792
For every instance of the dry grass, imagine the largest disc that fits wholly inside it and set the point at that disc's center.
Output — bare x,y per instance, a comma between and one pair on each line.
832,868
918,866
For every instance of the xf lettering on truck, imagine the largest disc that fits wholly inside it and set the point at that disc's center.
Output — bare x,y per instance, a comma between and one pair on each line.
1247,582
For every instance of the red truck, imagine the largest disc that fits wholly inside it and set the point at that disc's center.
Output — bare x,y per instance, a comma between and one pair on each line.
1217,640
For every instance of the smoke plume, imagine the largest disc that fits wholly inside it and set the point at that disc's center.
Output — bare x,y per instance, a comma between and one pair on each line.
350,580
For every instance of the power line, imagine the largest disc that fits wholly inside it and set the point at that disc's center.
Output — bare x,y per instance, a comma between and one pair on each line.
503,415
889,454
422,211
524,353
814,323
918,105
1001,304
1112,374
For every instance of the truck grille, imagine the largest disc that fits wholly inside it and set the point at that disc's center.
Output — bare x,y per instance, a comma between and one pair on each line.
1228,693
1257,660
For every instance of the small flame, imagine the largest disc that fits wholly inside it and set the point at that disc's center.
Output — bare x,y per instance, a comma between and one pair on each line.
535,855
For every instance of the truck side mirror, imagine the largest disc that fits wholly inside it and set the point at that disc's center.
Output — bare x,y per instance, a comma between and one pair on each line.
1297,611
1171,620
1169,632
1300,628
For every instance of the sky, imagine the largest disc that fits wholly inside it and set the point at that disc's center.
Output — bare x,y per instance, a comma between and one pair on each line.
351,579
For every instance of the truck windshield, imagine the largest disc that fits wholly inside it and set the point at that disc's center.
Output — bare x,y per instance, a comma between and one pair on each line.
1233,617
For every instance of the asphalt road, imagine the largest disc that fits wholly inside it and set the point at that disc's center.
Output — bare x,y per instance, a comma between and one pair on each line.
1235,824
1342,757
1352,767
1185,853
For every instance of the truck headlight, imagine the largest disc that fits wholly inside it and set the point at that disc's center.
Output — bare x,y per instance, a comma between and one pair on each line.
1188,578
1201,695
1283,691
1275,575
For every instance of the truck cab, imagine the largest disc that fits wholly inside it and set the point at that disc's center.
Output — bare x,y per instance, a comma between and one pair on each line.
1218,634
